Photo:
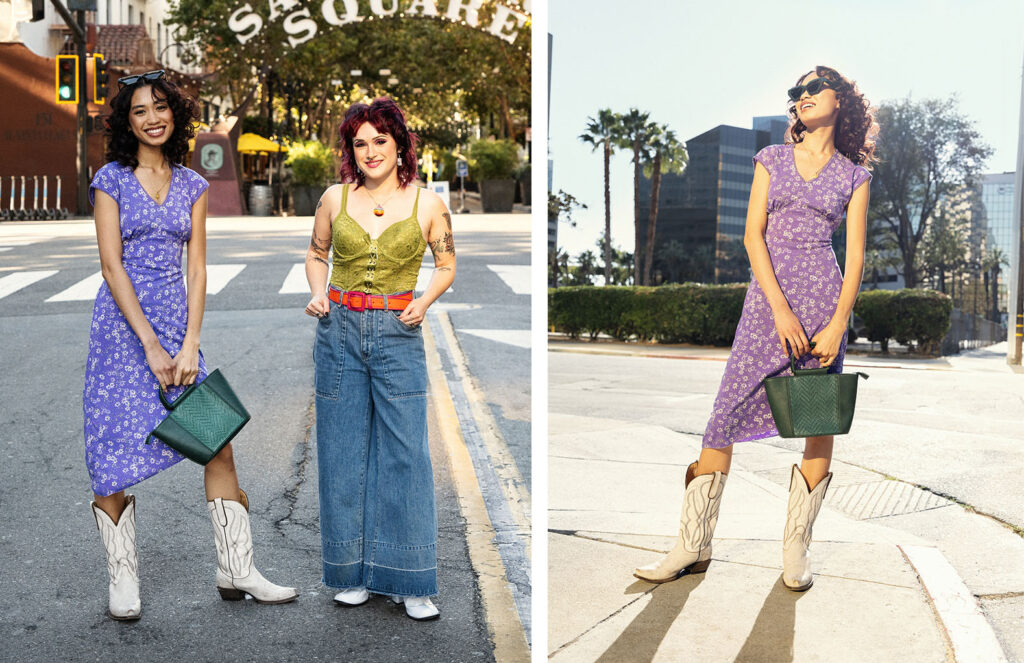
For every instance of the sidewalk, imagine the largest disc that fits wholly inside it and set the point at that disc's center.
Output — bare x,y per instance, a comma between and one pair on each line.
882,591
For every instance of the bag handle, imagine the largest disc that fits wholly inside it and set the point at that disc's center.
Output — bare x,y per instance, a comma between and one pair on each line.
170,405
792,357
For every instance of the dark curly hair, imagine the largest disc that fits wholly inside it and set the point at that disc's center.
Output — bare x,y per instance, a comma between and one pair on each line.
385,116
123,146
856,129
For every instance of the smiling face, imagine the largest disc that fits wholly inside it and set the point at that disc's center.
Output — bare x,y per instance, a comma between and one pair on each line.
150,117
817,109
376,152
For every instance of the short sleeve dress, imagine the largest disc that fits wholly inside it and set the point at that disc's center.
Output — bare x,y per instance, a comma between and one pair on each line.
802,216
120,402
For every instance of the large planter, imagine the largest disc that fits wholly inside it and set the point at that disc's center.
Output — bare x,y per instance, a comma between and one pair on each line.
261,200
304,199
497,196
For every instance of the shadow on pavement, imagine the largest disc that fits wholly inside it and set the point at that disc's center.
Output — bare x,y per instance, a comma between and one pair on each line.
640,640
771,638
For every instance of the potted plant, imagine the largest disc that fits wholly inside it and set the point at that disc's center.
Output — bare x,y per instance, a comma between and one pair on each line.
493,164
312,166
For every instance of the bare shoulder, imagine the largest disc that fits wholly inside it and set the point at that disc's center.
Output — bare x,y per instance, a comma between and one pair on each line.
331,199
431,205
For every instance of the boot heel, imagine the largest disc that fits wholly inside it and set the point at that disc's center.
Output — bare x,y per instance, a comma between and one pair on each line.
231,594
697,567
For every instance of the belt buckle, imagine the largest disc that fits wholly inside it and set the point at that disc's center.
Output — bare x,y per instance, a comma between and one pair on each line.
361,306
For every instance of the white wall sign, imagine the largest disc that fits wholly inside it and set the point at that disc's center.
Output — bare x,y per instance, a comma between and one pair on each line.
300,26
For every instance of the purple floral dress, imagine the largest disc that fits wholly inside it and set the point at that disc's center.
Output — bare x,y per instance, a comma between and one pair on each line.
802,215
120,402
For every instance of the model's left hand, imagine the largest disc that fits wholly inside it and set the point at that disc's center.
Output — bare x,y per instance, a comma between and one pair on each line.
826,344
414,312
186,365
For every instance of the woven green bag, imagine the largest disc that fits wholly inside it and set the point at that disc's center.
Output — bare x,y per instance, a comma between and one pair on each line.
202,419
812,401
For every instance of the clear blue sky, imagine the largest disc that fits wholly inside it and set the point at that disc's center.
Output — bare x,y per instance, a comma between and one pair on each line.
695,65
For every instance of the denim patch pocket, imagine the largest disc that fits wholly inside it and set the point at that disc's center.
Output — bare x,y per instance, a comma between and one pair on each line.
329,354
415,329
405,364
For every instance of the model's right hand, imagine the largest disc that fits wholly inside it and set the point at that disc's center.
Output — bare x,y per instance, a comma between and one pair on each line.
789,328
161,364
319,306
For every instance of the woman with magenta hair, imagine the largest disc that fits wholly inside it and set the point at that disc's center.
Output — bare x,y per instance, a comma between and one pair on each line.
798,301
378,521
145,336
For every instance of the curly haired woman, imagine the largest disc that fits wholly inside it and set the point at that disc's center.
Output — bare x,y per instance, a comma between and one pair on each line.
798,301
145,335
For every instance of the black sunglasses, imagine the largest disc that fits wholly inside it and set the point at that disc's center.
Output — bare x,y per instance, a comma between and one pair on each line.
812,87
149,77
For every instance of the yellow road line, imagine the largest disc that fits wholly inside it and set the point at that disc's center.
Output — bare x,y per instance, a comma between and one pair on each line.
500,612
512,485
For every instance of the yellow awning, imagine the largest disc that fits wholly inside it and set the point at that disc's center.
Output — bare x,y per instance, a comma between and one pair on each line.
251,143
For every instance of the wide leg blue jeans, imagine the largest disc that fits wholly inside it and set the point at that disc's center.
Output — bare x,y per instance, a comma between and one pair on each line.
378,520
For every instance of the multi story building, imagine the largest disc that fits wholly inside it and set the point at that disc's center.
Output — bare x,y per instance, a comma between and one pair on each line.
705,208
997,199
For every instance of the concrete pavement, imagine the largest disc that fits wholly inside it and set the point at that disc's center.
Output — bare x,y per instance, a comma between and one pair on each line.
899,568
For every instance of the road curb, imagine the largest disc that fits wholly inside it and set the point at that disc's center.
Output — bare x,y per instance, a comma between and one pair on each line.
500,611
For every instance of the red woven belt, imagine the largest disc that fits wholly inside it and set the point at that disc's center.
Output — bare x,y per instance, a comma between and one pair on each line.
360,301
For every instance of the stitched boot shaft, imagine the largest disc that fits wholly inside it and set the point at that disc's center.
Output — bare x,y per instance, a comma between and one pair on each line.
804,505
122,560
236,574
692,552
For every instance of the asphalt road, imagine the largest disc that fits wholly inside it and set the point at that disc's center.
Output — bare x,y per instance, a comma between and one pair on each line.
54,599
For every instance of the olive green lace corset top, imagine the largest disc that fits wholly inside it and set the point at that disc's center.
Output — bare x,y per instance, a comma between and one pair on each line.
384,265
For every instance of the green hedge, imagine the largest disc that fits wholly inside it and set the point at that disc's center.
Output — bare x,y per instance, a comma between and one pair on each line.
708,314
688,313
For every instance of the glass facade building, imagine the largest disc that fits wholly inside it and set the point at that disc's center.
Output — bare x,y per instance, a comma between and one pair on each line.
997,198
706,206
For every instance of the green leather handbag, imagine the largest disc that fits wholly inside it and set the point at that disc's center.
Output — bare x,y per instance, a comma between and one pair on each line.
812,401
202,419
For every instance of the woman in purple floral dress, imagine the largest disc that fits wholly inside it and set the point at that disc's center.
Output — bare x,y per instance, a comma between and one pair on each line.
145,335
798,296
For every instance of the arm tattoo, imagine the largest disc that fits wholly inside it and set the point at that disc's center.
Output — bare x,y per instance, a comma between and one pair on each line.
319,204
448,220
319,245
319,259
442,269
443,244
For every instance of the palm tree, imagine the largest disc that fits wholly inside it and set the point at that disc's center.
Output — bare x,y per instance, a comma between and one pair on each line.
604,133
635,134
670,156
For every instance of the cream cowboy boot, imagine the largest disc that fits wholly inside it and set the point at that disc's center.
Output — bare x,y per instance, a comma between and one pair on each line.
236,575
692,552
122,560
803,508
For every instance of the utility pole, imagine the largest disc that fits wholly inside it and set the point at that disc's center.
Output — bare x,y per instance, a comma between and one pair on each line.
77,26
1015,322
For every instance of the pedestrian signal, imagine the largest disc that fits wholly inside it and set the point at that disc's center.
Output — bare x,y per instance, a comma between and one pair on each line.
67,79
100,79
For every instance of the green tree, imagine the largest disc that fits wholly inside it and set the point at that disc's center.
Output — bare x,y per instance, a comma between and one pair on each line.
667,155
585,269
603,132
927,150
560,208
992,264
636,132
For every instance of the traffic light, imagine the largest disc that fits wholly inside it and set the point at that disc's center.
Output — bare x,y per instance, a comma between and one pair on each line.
100,79
67,79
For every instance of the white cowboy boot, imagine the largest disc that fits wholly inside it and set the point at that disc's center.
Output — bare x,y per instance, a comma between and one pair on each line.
122,560
420,608
236,575
803,508
692,552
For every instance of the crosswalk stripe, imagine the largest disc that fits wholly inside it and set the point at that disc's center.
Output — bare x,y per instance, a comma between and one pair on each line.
18,280
6,248
516,277
218,276
84,290
295,282
423,279
517,337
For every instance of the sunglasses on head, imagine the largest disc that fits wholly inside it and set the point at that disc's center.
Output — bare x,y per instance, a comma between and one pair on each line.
812,87
149,77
